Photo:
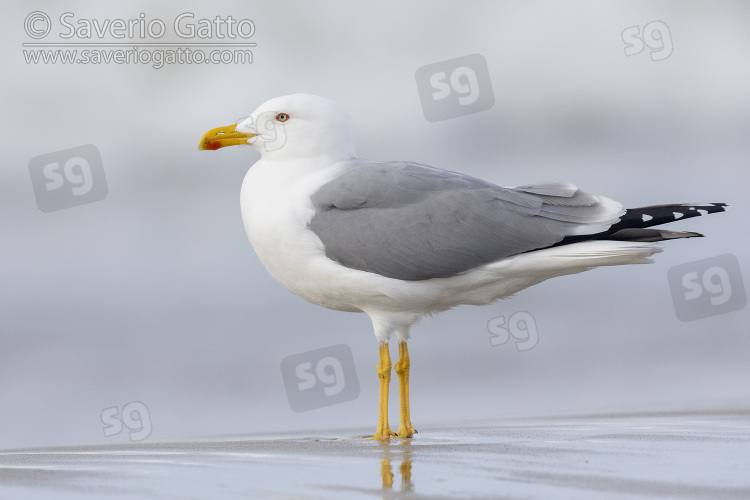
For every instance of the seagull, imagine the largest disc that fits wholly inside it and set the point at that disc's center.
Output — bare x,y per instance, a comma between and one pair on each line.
400,240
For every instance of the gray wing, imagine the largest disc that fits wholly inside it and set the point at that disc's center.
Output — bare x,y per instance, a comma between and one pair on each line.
413,222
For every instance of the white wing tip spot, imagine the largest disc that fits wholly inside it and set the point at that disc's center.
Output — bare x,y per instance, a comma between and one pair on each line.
703,212
646,217
677,215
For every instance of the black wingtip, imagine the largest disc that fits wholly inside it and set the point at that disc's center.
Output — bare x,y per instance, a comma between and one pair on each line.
656,215
634,222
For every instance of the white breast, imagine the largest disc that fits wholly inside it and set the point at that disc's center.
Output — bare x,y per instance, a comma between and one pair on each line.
276,209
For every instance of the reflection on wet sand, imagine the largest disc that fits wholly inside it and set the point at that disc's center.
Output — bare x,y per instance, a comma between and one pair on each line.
404,469
680,455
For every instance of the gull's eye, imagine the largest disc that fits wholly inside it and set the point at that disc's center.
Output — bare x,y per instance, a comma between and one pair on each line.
282,117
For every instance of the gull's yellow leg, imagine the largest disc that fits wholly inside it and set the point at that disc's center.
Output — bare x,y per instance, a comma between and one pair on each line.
405,430
384,372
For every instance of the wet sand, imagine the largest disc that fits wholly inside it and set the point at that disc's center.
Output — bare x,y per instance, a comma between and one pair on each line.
672,455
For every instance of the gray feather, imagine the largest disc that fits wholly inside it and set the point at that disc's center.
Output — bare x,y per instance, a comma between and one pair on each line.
413,222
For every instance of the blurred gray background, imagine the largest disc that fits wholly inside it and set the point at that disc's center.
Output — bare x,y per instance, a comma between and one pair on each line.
155,295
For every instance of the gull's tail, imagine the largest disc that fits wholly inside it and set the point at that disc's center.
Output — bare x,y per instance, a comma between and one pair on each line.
634,223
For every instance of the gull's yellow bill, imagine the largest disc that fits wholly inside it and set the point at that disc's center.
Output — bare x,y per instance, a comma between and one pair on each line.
221,137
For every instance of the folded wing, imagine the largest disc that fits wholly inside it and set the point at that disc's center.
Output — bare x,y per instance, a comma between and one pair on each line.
414,222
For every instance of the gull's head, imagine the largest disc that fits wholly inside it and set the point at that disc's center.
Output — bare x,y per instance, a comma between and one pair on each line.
290,127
